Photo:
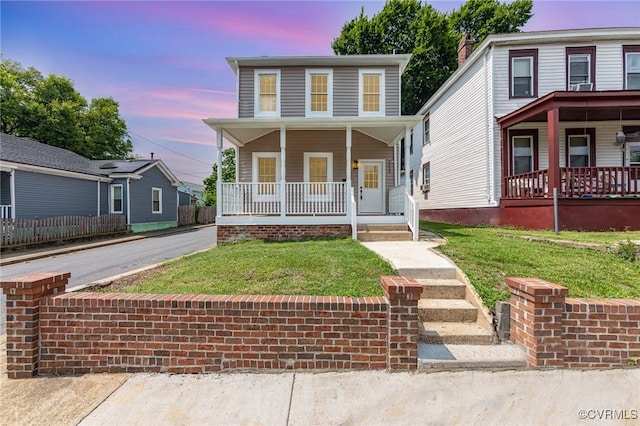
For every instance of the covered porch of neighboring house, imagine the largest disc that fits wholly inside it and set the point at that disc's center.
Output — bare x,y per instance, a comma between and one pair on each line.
314,177
7,193
571,160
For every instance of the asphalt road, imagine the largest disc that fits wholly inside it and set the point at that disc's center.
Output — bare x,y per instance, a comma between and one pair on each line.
87,266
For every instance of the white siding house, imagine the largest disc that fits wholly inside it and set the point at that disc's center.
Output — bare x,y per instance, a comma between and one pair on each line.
495,152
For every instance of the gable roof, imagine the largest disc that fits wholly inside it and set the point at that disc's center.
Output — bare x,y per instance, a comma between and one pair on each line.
31,152
588,35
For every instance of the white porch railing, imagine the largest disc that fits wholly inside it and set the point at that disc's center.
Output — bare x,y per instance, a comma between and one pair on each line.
412,216
396,199
5,211
300,198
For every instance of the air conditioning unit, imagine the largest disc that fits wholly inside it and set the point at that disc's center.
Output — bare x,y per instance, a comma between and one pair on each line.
424,188
581,87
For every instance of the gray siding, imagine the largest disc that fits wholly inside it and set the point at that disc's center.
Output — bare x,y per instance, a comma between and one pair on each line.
141,208
293,92
345,91
41,196
185,198
5,188
104,198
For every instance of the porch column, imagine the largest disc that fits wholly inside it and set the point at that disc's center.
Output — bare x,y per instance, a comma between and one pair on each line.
348,165
283,171
219,172
407,159
553,127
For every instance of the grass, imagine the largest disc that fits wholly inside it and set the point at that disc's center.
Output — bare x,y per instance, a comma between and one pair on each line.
489,254
608,238
335,267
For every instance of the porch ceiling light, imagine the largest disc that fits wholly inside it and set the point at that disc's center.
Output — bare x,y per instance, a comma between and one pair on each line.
355,165
620,138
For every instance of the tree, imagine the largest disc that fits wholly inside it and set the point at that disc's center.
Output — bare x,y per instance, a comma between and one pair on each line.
228,175
50,110
408,26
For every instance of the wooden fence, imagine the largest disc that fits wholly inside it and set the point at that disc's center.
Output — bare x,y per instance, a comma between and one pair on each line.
30,231
189,215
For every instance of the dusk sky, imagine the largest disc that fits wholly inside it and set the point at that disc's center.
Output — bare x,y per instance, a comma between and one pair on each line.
164,61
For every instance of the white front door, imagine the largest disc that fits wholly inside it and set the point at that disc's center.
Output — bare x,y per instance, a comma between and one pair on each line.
370,190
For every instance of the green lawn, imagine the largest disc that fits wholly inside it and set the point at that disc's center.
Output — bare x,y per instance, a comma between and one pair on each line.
335,267
490,254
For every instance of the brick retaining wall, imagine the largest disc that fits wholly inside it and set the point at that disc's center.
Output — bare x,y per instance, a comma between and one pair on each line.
557,331
230,233
75,333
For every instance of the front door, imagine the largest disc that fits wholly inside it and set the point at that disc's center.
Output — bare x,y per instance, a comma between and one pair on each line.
632,159
371,187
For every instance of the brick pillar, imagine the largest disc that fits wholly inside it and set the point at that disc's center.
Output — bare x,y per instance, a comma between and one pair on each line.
402,294
23,319
537,308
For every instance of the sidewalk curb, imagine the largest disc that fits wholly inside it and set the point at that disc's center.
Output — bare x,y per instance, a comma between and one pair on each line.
55,252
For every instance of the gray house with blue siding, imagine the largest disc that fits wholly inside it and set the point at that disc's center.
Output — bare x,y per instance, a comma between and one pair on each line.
38,181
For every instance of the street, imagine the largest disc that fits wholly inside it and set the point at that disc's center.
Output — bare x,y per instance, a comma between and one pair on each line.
87,266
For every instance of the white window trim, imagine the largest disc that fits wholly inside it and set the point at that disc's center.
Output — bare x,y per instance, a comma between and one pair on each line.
254,176
380,113
626,70
307,176
589,76
513,76
256,94
307,104
513,152
111,198
588,138
426,132
159,191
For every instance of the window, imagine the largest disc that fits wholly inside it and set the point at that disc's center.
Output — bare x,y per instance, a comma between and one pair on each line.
319,93
631,59
580,147
427,139
411,143
581,65
524,151
266,172
267,93
318,170
116,198
156,200
371,98
523,73
426,178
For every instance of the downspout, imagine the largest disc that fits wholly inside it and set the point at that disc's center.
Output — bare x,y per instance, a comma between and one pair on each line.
128,202
99,182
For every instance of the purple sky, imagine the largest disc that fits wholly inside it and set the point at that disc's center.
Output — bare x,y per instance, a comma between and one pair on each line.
163,61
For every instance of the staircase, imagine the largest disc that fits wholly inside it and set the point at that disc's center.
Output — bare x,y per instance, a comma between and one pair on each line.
384,232
455,331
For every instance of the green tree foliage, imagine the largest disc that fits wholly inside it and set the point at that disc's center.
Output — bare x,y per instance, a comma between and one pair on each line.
50,110
228,175
431,36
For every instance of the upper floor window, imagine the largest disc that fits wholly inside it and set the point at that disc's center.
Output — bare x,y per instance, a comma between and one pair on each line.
427,137
581,66
371,97
156,200
631,56
319,93
523,73
267,93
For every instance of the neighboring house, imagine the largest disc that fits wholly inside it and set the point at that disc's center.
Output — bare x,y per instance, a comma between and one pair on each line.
530,114
191,194
316,142
41,181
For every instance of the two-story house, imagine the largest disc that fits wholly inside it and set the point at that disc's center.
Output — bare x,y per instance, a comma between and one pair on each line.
538,130
316,142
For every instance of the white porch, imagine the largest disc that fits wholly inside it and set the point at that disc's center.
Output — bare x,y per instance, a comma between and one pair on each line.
282,202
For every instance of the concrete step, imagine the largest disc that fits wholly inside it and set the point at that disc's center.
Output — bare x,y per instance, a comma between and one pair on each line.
456,333
384,236
447,310
442,288
451,357
374,227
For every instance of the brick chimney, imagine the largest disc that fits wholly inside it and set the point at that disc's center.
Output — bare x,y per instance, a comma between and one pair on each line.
465,47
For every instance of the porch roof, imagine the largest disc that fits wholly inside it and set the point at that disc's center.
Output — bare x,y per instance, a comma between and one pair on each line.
240,131
578,106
